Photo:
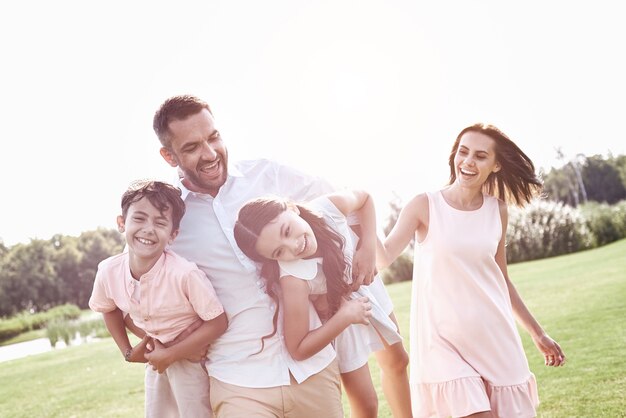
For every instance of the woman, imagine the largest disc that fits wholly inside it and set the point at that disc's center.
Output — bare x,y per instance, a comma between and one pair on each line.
466,354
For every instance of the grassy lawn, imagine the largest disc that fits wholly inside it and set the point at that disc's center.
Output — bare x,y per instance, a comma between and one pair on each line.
580,299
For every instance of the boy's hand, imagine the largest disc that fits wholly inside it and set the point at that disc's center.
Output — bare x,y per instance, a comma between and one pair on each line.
356,311
137,353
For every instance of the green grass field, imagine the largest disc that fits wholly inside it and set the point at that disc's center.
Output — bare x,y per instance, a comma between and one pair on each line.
580,299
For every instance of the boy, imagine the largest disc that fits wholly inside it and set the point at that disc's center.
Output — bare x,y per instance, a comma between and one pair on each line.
163,294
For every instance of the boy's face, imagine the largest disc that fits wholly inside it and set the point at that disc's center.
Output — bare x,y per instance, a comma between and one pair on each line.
147,231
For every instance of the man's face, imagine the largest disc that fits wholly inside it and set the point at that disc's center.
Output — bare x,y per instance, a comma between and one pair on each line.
199,152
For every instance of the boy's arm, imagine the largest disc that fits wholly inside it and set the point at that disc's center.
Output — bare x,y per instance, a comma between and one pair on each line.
132,327
114,322
161,357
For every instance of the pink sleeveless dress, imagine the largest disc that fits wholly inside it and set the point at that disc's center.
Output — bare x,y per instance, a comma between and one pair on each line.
466,353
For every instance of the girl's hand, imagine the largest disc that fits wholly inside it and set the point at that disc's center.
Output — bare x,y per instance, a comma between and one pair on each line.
363,268
356,311
159,357
551,350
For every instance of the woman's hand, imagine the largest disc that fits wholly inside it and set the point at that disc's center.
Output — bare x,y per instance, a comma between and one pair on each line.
551,350
356,311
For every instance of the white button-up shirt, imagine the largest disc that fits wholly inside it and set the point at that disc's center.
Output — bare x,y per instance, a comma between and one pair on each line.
206,238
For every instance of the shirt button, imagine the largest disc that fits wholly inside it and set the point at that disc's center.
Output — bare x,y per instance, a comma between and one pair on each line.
147,318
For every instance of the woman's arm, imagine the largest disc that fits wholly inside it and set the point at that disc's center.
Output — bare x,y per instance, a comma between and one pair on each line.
412,218
301,342
553,355
161,357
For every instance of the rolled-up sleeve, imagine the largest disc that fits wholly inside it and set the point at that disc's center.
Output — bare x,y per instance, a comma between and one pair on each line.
101,299
202,296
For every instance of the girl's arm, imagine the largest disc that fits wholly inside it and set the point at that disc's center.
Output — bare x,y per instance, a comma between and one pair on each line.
301,342
412,218
161,357
114,321
364,260
553,355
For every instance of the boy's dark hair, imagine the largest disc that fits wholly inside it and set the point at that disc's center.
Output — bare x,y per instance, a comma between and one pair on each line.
161,195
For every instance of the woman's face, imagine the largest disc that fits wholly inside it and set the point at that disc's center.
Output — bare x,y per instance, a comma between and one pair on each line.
287,237
475,159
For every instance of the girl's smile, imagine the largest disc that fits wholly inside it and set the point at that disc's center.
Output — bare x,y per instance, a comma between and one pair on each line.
287,237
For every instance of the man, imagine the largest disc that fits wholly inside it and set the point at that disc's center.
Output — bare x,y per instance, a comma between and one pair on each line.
247,378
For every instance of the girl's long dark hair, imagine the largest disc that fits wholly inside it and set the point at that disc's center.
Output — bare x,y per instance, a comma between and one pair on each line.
516,181
257,213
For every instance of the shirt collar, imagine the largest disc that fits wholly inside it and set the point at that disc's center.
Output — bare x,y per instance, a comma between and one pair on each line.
304,268
233,171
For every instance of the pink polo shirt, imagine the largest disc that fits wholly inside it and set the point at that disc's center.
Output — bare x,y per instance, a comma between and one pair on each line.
172,295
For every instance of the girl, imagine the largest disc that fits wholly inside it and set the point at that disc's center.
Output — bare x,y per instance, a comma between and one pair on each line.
466,352
306,251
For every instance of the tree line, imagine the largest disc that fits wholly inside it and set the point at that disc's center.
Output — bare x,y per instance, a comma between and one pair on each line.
587,179
45,273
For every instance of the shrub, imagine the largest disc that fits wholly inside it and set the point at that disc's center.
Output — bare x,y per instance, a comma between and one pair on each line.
400,270
545,229
10,328
606,222
26,321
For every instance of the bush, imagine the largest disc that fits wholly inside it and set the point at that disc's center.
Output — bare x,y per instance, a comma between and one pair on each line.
64,329
606,222
545,229
26,321
10,328
400,270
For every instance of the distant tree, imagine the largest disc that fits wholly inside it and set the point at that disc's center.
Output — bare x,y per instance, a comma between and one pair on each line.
68,259
28,280
619,163
558,186
95,246
3,249
602,180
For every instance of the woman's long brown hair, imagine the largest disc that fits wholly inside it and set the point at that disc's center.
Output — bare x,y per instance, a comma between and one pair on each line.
257,213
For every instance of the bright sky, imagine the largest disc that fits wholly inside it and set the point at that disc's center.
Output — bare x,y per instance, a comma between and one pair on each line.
368,94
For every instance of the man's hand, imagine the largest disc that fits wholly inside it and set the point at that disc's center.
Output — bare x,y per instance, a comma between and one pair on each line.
159,357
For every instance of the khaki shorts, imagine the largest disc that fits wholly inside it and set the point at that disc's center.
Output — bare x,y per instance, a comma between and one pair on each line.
317,397
181,391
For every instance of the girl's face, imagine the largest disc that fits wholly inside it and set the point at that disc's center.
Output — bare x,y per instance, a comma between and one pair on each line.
475,159
287,237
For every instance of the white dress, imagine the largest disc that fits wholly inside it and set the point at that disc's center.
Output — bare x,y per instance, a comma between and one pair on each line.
355,344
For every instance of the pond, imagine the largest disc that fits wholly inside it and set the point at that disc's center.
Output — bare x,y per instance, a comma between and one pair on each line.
37,346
